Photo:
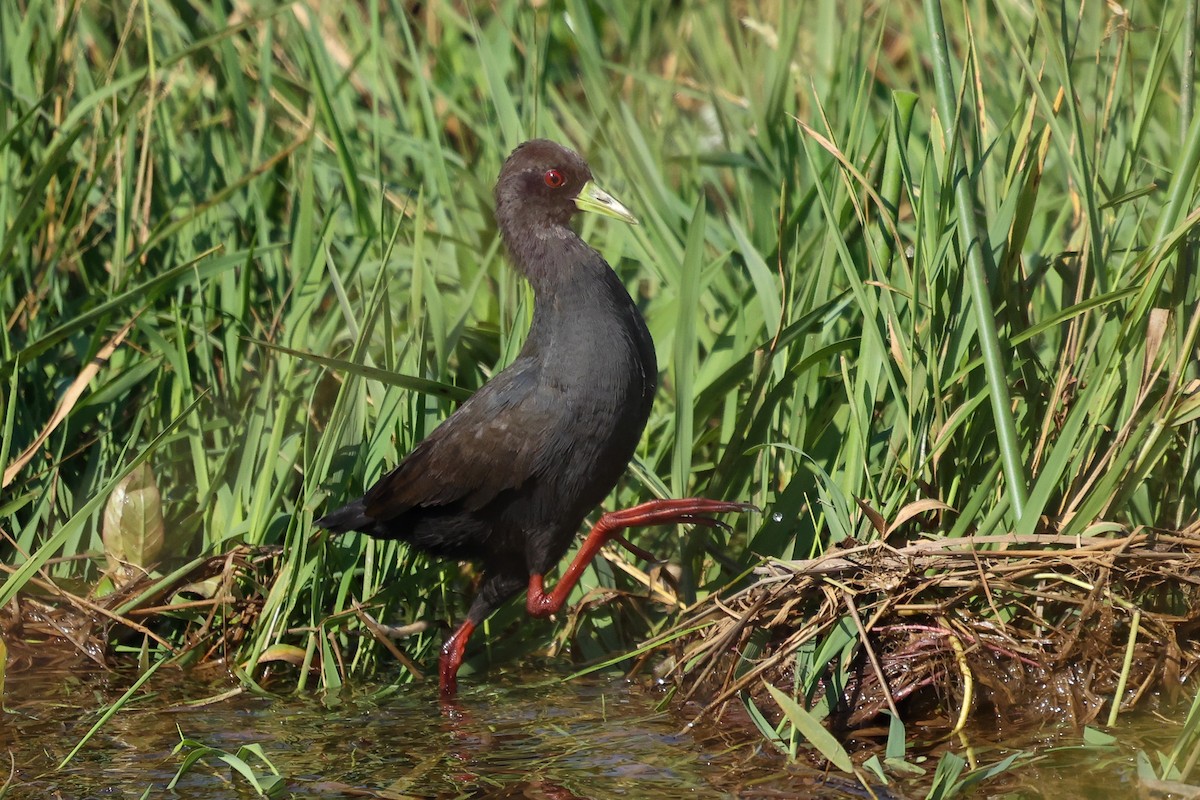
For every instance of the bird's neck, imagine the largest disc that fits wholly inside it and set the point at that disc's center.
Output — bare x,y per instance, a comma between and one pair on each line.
550,256
579,301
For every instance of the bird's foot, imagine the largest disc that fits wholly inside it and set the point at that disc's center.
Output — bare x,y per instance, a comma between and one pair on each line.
644,555
693,510
696,510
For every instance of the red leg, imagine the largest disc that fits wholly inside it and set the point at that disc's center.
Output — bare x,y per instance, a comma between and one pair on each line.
655,512
451,660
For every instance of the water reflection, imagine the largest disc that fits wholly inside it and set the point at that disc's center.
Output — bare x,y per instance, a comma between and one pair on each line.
529,736
524,735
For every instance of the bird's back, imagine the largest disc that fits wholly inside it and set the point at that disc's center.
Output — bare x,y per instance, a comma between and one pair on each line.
509,477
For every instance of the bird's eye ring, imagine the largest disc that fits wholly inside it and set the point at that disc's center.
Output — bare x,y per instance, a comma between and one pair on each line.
554,179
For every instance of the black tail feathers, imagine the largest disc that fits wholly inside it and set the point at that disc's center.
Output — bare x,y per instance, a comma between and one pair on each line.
350,517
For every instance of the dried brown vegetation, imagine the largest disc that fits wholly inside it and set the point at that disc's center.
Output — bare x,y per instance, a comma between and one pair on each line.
1005,629
198,614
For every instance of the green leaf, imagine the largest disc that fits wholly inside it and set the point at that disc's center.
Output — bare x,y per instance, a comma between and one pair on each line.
811,729
945,778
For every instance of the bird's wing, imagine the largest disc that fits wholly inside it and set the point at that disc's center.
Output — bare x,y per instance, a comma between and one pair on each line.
489,445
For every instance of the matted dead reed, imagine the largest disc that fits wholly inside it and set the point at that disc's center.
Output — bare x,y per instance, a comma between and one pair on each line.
1008,629
202,615
215,600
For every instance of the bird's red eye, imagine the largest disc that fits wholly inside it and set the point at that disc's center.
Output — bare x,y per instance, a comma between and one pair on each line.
554,179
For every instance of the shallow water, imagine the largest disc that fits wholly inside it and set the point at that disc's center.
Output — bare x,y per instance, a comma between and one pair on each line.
511,736
540,738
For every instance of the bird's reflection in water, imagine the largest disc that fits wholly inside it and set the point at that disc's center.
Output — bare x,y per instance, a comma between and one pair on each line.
476,744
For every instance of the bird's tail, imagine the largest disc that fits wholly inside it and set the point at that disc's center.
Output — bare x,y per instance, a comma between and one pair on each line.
350,517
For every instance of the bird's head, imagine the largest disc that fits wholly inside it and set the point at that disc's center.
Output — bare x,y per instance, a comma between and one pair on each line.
543,183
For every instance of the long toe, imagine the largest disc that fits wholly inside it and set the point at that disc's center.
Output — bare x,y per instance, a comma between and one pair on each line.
664,512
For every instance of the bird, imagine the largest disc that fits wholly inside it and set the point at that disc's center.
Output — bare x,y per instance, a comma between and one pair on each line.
508,479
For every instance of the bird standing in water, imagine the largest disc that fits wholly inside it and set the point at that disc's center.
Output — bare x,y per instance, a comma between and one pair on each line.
507,479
